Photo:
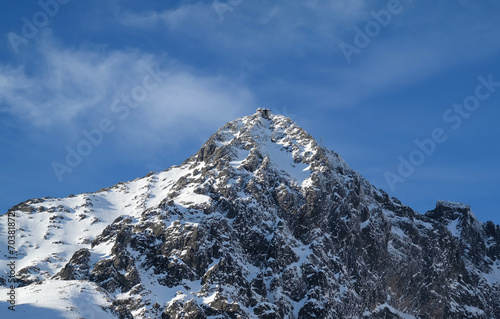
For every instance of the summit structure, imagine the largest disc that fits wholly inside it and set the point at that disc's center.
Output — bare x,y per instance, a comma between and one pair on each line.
262,222
266,113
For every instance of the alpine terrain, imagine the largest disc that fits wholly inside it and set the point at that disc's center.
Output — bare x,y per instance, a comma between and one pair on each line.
262,222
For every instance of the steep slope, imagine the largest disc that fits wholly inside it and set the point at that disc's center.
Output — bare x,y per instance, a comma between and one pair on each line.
261,223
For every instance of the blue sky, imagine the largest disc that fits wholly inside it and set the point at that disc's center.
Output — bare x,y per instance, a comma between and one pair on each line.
139,86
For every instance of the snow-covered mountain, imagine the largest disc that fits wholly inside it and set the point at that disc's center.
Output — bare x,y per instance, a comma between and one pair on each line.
262,222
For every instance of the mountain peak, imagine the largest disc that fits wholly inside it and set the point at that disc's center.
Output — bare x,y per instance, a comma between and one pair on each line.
247,142
265,113
262,222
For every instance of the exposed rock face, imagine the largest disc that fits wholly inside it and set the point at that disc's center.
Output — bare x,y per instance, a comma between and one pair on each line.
264,223
77,268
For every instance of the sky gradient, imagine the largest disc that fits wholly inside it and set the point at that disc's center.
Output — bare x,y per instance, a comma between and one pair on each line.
97,92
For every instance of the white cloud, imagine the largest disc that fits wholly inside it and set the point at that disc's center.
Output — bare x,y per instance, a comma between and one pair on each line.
57,86
75,88
186,105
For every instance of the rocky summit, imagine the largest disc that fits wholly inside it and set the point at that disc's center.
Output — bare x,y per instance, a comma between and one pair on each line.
262,222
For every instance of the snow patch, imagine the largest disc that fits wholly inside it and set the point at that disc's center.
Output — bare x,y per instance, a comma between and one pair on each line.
58,299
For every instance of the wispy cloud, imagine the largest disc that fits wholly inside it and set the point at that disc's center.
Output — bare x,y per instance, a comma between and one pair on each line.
245,29
55,86
407,57
172,18
75,88
187,105
292,32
